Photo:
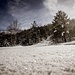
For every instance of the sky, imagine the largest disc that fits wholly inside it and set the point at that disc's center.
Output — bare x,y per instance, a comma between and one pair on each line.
26,11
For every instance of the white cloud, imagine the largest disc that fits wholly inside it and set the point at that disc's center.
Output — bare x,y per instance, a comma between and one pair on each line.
67,6
51,5
26,17
44,15
17,7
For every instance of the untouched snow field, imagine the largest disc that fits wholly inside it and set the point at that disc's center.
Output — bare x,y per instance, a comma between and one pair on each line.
38,60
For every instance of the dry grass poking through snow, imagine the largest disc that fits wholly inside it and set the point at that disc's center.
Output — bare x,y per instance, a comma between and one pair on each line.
45,60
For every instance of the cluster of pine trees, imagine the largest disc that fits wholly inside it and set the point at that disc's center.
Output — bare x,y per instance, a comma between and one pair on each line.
62,29
33,35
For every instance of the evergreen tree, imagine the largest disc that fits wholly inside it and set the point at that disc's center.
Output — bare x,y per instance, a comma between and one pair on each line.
34,31
60,23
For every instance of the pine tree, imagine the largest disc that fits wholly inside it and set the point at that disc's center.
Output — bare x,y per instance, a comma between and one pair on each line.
34,31
59,26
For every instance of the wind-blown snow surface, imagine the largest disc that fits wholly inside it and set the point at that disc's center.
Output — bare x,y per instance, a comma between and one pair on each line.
34,60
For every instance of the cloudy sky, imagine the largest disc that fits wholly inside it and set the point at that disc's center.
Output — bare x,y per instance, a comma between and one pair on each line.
26,11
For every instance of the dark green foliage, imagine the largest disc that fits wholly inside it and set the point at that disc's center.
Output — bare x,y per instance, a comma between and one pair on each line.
33,35
62,29
60,23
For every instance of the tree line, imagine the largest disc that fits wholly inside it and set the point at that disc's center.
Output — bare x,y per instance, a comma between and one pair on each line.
62,29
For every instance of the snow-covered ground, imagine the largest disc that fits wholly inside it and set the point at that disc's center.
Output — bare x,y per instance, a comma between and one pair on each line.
38,60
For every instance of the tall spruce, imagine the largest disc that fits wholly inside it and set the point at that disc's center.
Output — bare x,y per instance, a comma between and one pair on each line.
60,23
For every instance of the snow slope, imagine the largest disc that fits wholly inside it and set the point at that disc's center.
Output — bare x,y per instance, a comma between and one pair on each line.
35,60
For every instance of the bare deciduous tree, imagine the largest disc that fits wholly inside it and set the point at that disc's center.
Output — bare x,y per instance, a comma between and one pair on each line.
14,28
